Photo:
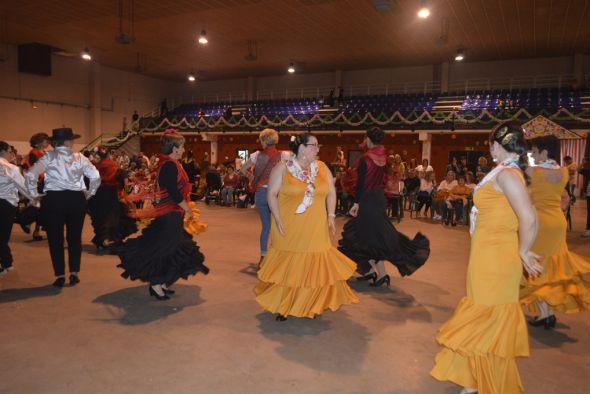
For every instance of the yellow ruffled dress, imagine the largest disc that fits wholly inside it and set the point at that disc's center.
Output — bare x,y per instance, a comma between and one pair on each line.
487,330
561,285
303,274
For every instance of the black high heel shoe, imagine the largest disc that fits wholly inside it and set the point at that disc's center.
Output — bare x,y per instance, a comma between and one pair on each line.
74,280
59,282
158,297
280,318
384,279
547,323
372,276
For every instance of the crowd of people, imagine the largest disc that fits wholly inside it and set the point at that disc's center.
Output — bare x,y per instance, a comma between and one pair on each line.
519,254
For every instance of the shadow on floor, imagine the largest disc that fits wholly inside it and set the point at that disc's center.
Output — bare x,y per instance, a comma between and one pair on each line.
554,338
331,342
402,306
250,270
11,295
134,306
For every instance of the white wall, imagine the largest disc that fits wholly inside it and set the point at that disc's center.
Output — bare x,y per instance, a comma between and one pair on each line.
64,98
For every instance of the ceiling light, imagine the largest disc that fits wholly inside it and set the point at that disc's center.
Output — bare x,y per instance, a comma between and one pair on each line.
424,11
86,54
203,37
291,68
460,55
191,77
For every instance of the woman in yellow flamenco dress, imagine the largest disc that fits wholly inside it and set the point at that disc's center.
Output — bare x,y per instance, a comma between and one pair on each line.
487,330
561,287
303,274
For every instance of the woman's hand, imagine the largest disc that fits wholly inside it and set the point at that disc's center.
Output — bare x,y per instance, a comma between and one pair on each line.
332,223
280,226
530,262
354,210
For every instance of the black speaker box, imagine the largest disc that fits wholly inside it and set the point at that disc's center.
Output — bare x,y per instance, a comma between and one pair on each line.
34,59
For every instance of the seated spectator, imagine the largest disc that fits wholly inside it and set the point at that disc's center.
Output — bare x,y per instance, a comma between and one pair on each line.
424,196
442,193
455,202
393,191
482,166
470,180
412,182
230,184
213,179
424,167
452,166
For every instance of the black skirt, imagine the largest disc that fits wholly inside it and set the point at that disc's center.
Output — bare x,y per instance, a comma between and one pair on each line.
372,236
109,217
162,254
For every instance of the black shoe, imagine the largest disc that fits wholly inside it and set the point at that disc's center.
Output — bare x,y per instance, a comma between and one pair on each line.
547,323
168,291
379,283
26,228
454,224
158,297
59,282
74,280
372,276
281,318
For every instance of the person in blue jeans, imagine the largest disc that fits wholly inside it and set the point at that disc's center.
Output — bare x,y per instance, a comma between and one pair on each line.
263,162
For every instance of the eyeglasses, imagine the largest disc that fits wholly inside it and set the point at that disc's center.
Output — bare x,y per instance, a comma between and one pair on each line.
316,145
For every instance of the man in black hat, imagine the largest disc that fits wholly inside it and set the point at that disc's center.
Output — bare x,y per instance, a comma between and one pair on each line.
65,200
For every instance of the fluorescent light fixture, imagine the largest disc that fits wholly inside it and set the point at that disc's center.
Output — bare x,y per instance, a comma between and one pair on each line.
203,38
424,11
291,68
460,55
86,54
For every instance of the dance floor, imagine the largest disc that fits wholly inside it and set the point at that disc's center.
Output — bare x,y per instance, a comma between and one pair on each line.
106,335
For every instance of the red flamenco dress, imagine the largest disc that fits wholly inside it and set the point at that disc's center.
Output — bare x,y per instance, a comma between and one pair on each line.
165,251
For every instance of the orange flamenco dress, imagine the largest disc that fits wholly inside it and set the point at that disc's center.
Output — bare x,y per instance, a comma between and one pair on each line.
561,285
303,274
487,330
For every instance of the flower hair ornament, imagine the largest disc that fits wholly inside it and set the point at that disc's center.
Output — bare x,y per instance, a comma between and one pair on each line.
169,131
507,138
502,131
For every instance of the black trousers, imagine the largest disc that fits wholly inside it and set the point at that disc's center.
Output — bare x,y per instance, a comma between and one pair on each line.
7,212
64,208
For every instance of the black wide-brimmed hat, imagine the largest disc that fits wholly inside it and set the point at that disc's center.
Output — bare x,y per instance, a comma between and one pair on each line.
63,134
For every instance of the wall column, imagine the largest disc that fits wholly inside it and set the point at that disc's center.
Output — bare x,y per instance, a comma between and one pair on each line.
214,148
426,139
95,117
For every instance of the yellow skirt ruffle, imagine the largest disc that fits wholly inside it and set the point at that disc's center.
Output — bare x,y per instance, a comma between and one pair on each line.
304,284
561,285
480,344
193,226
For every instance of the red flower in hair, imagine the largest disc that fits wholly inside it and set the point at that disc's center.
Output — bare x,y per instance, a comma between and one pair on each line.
169,131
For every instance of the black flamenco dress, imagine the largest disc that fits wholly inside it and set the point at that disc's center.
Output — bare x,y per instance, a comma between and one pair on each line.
164,252
371,235
109,215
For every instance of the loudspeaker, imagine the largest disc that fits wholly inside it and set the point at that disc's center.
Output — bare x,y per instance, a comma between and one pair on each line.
34,58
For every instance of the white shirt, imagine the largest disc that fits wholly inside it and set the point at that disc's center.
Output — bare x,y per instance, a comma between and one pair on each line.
421,168
64,170
426,186
11,182
444,185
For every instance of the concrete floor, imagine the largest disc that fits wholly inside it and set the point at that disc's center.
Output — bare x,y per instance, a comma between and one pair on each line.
106,335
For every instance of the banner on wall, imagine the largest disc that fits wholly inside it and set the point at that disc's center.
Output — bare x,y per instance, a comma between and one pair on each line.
540,126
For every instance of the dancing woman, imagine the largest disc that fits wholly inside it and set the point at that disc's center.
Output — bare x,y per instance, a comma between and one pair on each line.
165,252
487,330
64,204
109,220
561,287
303,274
369,238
